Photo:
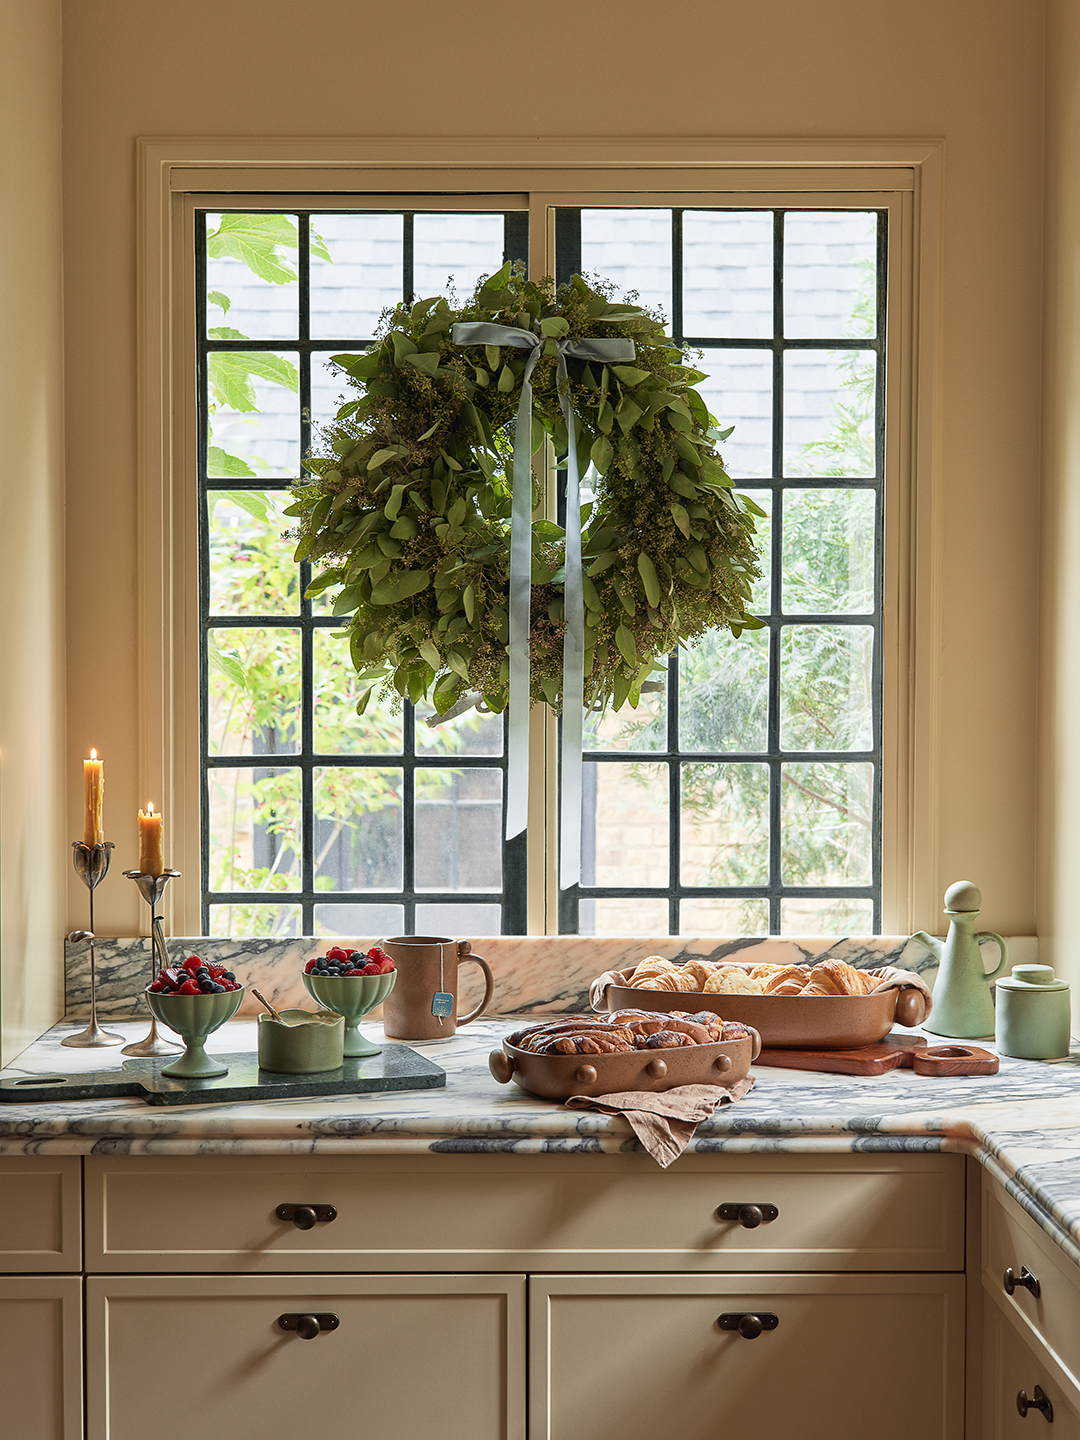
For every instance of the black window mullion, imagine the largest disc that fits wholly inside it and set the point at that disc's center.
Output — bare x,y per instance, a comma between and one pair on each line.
407,234
204,560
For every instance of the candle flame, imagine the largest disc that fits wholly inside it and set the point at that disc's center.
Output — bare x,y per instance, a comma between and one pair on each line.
149,807
93,753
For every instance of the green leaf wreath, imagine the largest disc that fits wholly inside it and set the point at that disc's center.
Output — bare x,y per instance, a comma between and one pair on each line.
410,502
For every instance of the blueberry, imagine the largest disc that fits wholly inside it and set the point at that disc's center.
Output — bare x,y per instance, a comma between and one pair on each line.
228,975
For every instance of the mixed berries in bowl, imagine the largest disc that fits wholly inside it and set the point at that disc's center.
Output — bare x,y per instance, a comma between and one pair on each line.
194,977
352,983
339,961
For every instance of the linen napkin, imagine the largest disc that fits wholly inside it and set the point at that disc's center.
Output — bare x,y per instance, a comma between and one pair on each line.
664,1122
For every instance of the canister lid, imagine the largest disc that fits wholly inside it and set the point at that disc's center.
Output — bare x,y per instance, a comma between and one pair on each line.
1033,977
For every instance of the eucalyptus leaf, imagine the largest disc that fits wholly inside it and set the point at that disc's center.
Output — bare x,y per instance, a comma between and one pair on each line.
647,571
400,587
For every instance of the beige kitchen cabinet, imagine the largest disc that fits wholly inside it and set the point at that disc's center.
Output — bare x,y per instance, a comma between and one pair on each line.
40,1213
525,1212
1013,1364
410,1357
41,1381
629,1357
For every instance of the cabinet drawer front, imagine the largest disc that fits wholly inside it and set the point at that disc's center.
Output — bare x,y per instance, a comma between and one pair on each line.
1011,1365
410,1356
41,1357
849,1355
40,1213
454,1212
1013,1240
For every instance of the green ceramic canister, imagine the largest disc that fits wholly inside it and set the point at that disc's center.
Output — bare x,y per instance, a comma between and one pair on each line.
1032,1014
301,1042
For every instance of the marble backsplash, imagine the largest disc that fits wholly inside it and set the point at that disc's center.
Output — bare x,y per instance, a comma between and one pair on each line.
533,974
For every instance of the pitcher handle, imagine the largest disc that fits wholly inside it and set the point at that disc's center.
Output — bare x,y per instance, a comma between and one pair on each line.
464,954
992,975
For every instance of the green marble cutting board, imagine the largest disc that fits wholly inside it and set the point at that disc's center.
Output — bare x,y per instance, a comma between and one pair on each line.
395,1068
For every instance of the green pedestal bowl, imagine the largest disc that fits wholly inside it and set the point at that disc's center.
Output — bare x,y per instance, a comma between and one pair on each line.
352,996
193,1018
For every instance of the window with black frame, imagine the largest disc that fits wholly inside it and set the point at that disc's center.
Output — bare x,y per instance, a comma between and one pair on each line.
742,796
315,820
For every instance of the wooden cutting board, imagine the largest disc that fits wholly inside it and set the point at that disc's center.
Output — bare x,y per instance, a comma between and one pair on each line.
892,1053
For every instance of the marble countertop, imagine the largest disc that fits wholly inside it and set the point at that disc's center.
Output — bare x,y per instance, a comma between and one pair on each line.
1023,1124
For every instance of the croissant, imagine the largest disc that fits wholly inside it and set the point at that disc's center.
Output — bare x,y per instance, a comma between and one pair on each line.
792,978
651,965
837,977
731,980
699,972
811,990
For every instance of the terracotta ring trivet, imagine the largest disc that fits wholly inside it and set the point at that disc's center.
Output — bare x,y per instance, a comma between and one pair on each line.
954,1060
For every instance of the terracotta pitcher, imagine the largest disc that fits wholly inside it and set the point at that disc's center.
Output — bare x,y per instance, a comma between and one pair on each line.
423,1003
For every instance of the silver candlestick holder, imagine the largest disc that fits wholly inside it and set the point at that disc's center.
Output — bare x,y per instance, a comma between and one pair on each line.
91,865
152,888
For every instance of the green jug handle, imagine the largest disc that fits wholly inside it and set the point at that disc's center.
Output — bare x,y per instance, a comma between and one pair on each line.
992,975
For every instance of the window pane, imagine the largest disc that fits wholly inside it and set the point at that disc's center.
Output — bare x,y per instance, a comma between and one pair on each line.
826,673
251,265
364,276
358,843
251,567
728,274
452,250
725,825
338,729
458,829
643,727
360,922
624,824
826,815
829,400
632,249
470,733
829,551
739,392
723,917
254,700
254,415
830,273
277,922
457,922
635,918
723,692
330,389
826,917
254,829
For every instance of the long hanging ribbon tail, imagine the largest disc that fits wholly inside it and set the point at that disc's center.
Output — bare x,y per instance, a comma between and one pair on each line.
481,332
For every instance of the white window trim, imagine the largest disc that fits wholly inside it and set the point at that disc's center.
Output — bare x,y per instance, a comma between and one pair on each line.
569,172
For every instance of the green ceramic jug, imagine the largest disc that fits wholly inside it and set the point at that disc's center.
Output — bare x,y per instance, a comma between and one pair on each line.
963,1004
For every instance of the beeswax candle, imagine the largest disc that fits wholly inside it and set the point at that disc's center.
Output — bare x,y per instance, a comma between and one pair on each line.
94,798
150,823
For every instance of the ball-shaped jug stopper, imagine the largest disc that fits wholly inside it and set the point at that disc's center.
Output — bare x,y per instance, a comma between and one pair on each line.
963,896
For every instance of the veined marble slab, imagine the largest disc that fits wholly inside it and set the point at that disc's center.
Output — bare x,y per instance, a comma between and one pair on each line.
533,974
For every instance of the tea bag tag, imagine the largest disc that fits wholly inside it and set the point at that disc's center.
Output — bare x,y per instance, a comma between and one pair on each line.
442,1004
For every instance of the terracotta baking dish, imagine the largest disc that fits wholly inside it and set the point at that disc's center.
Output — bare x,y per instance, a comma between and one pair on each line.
556,1077
791,1022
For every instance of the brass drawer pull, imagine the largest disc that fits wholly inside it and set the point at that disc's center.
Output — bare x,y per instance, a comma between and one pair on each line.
748,1216
1037,1402
305,1216
1025,1278
308,1326
748,1326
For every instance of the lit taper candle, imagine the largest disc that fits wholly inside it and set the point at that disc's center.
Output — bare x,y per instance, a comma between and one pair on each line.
150,826
94,799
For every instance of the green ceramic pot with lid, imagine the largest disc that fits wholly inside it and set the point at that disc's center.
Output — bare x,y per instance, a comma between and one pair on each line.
1032,1014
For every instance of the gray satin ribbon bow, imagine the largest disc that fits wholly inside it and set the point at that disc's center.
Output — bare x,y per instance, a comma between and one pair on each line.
480,332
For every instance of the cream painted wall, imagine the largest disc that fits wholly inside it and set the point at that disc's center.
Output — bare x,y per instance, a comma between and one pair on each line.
1059,688
965,70
33,831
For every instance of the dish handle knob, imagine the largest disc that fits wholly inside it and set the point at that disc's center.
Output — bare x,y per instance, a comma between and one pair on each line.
911,1007
501,1066
585,1075
657,1069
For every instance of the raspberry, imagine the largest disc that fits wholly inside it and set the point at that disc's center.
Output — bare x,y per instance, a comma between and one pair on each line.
337,953
371,968
189,987
191,964
157,987
354,972
386,965
307,968
378,953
